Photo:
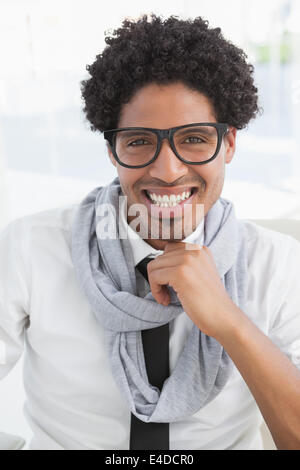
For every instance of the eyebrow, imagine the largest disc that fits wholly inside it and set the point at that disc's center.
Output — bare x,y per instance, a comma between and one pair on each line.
205,129
208,130
136,132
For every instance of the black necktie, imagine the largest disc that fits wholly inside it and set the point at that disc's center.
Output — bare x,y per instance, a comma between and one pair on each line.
154,436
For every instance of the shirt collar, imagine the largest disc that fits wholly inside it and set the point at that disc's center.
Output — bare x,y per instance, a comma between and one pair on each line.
141,249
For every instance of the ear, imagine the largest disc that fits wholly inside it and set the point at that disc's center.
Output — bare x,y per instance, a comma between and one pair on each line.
110,154
230,144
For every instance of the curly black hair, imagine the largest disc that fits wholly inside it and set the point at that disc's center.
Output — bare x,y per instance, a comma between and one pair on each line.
163,52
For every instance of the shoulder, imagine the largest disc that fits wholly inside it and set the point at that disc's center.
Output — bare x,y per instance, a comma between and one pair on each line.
273,255
271,237
49,228
59,218
34,244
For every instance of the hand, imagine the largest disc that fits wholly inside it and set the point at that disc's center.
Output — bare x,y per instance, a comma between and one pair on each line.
190,269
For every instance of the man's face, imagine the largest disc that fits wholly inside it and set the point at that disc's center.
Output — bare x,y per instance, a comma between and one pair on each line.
164,107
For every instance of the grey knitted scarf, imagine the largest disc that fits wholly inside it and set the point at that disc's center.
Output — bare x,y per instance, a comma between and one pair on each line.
107,276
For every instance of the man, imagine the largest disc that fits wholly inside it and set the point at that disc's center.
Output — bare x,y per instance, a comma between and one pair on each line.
224,291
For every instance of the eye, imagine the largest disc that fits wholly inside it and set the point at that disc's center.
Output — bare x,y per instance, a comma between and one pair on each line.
135,142
194,139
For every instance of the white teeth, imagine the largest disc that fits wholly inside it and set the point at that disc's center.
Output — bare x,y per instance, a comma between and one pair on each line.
169,201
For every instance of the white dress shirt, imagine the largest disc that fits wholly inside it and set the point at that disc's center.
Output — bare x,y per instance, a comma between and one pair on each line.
72,401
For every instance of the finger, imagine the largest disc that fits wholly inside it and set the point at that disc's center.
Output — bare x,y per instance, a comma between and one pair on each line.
193,246
167,260
172,246
171,259
158,281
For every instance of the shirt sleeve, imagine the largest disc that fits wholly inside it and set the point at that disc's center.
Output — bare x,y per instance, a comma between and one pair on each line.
285,328
14,294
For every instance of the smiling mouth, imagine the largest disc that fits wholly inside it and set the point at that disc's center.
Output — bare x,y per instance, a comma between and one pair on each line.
164,200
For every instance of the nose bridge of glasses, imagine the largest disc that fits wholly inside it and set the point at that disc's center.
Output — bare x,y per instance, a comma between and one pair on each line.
164,134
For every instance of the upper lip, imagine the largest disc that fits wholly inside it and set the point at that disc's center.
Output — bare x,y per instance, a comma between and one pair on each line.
178,190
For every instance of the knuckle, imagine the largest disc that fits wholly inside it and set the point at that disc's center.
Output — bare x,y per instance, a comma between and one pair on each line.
183,270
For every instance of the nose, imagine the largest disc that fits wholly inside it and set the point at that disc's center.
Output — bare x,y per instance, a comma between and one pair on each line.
167,166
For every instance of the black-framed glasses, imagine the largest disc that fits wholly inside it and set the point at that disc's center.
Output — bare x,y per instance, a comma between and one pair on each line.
195,144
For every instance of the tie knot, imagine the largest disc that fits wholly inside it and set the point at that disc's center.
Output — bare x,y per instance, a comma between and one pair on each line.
142,266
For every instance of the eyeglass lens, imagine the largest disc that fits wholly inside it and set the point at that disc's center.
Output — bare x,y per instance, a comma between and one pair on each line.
193,144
